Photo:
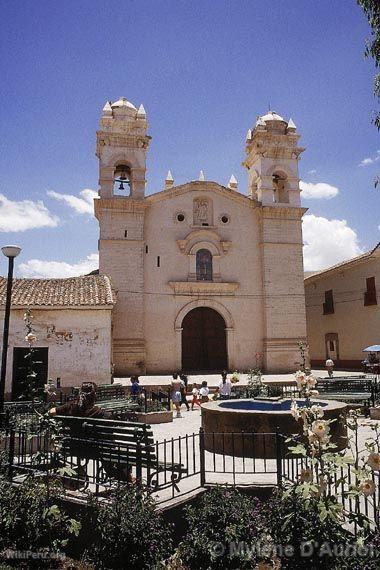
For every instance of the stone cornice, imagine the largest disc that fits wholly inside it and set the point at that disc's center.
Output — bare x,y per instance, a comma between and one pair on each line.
280,211
207,288
119,204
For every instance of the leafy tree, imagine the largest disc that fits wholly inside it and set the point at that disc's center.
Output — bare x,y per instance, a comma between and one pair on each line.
371,9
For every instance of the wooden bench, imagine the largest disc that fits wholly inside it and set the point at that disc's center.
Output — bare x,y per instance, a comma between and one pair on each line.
115,447
106,392
352,390
114,400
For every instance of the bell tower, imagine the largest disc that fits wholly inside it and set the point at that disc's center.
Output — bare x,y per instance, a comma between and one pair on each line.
272,156
272,161
121,147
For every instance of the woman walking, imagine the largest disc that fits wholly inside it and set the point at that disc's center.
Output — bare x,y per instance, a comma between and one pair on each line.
176,396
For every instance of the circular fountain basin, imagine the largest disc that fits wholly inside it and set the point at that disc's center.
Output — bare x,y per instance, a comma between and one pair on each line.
229,425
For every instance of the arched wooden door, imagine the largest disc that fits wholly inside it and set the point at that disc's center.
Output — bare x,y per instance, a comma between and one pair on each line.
204,345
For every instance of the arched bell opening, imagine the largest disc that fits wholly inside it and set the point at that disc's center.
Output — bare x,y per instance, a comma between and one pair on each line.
122,180
280,188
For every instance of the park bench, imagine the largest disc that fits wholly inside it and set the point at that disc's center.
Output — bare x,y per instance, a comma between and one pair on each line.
115,447
114,401
352,389
106,392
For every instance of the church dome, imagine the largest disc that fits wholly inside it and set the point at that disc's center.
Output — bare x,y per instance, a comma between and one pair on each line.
123,102
271,116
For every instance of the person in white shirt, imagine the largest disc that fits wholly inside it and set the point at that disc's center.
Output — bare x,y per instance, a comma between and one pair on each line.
204,392
224,387
330,367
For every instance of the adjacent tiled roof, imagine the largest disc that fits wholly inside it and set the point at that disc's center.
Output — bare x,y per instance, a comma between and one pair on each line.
87,291
344,264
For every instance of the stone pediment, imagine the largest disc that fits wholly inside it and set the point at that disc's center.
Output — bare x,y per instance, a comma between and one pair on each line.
202,186
203,288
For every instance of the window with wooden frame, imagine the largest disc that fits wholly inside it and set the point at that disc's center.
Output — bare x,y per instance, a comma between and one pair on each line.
328,305
370,297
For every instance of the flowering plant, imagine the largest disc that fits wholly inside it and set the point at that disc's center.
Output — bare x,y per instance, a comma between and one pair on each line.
28,388
235,377
329,477
306,384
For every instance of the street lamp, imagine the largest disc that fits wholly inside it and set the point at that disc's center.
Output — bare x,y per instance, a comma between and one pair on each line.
10,251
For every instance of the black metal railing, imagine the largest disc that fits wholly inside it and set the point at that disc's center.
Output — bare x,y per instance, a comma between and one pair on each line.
168,468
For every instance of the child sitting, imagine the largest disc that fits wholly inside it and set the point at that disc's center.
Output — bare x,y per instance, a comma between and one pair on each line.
204,391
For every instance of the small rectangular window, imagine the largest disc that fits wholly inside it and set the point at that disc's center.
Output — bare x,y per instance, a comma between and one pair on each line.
125,233
328,305
146,249
158,261
370,296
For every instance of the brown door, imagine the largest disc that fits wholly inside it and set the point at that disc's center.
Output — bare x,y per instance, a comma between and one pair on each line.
204,341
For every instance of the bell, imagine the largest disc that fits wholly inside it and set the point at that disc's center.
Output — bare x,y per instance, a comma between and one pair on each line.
122,178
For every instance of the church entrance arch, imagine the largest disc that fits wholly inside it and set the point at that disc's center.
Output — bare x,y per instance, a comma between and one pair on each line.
204,341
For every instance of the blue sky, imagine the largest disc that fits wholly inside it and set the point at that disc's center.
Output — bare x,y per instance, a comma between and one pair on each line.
203,70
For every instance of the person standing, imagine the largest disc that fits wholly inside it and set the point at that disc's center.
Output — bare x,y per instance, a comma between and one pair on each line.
135,387
176,396
183,378
195,401
330,367
225,387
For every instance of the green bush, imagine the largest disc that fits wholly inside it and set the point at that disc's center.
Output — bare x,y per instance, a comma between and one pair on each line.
30,518
224,517
293,521
127,531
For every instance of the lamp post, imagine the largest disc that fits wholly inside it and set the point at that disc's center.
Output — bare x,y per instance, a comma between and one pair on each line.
10,251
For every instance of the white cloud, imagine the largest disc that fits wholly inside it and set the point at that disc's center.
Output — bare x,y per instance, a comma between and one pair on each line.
82,205
38,268
327,242
370,160
24,215
313,171
318,191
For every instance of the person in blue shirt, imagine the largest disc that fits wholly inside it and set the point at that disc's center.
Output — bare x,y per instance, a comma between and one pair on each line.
135,386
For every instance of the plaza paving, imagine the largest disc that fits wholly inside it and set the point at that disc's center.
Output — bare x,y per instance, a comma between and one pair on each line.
214,379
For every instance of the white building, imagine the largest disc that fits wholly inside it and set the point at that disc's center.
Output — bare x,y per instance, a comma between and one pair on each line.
73,323
205,275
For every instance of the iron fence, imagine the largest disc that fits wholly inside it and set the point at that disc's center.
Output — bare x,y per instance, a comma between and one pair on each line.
169,468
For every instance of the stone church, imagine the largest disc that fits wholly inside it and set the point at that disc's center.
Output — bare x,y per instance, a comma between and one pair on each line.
205,276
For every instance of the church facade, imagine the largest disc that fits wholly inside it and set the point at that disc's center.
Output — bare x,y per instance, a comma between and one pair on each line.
205,277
